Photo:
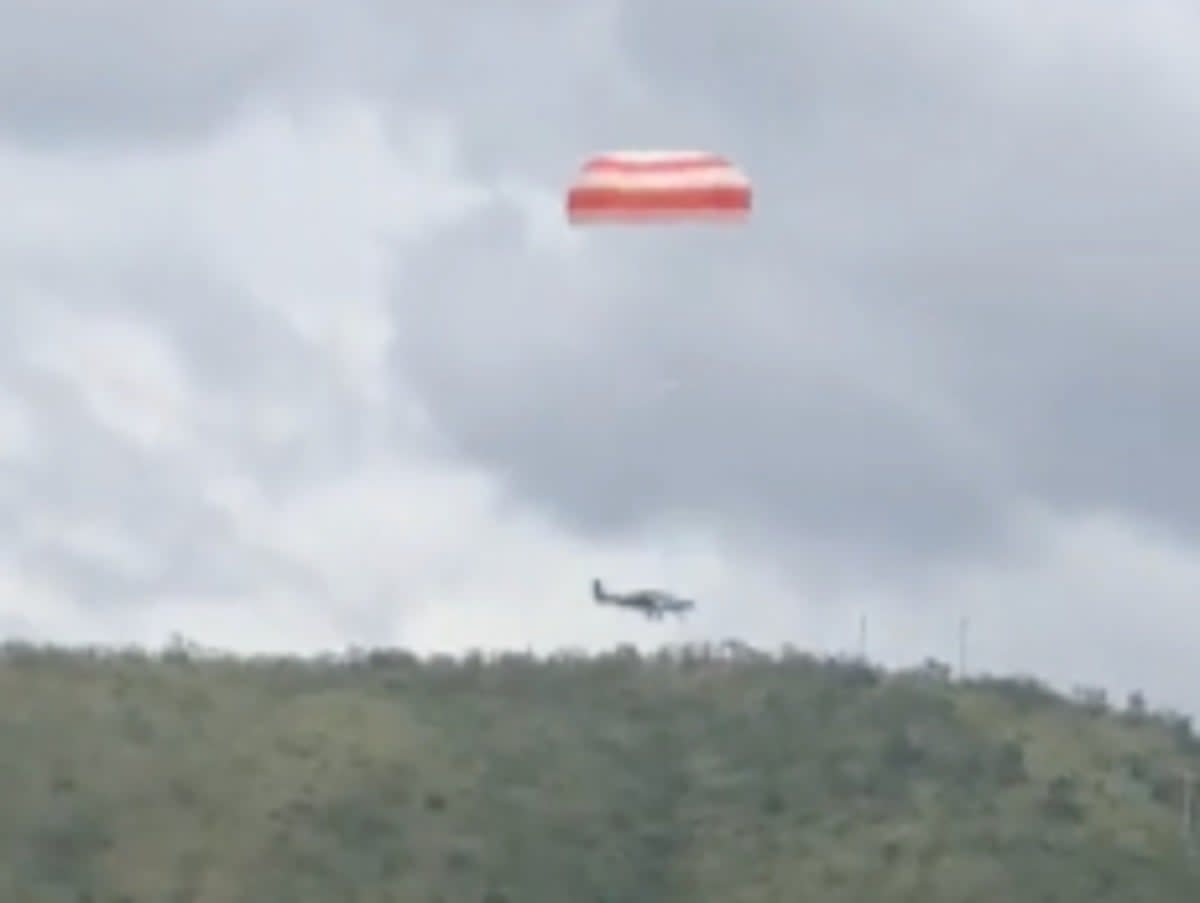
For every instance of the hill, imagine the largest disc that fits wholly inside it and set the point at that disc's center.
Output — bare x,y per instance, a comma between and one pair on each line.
695,775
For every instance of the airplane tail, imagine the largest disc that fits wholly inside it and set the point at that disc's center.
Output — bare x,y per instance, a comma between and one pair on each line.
598,592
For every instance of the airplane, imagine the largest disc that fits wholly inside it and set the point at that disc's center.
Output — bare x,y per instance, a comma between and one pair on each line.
653,603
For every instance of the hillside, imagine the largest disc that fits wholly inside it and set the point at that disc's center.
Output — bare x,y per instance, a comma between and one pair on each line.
696,775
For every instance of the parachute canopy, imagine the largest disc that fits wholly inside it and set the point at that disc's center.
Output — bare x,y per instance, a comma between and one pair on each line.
658,186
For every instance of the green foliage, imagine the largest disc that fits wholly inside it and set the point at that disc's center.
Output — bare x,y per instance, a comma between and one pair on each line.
695,774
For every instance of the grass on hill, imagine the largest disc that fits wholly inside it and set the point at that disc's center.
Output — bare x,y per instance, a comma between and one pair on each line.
694,775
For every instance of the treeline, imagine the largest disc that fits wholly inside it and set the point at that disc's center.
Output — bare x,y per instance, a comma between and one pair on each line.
1024,691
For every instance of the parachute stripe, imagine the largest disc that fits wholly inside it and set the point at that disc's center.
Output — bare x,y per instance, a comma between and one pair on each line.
664,179
601,200
660,162
647,217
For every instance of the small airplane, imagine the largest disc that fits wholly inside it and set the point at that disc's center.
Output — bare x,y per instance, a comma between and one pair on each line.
654,603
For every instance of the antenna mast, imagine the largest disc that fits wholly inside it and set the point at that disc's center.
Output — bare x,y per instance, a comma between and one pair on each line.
1185,814
963,624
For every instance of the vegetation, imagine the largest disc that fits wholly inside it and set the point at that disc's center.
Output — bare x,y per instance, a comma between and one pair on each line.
695,775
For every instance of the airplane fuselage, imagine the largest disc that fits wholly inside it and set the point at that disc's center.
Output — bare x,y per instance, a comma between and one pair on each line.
653,603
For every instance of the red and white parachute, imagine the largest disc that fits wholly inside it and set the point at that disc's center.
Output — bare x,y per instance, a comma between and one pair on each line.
658,186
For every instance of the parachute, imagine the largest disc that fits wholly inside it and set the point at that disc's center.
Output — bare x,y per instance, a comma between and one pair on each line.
658,187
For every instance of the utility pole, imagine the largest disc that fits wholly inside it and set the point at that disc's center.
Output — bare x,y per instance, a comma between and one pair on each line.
963,624
1185,814
862,638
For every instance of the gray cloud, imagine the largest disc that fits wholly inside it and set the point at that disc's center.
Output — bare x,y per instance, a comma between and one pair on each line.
126,71
959,213
966,294
779,405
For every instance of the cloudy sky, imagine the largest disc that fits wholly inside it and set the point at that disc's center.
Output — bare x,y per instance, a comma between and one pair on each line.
297,351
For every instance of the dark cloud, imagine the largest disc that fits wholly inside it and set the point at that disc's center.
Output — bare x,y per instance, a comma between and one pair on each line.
129,74
1082,375
666,381
967,282
104,75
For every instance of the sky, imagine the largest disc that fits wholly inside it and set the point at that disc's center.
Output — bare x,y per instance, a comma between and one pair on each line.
298,352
